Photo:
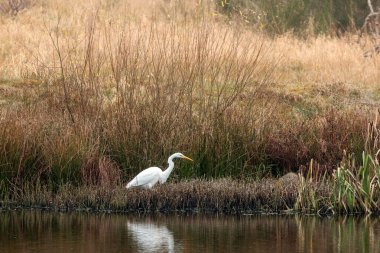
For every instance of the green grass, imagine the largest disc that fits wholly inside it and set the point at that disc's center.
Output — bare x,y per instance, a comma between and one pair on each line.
357,186
304,17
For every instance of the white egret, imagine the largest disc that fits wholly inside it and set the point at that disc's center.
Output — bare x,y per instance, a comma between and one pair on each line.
150,176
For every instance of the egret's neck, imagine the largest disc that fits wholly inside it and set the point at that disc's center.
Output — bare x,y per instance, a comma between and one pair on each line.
169,170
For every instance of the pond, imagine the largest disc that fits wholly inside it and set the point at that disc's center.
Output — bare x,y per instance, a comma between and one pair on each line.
43,231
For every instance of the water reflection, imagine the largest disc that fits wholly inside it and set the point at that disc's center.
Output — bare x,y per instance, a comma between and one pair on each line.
37,231
151,238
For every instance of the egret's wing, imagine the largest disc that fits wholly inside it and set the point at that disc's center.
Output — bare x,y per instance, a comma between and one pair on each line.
145,177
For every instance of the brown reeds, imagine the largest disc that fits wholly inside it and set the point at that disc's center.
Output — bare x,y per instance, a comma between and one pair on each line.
94,104
135,94
323,138
223,196
131,94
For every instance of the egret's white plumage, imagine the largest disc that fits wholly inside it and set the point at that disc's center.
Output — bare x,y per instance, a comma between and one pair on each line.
150,176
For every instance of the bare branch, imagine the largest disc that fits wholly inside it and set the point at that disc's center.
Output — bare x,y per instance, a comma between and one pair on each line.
370,6
370,31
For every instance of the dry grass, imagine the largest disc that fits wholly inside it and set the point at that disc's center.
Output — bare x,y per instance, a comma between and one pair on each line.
222,196
134,92
93,92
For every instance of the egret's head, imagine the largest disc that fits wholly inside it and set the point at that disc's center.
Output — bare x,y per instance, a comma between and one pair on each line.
180,155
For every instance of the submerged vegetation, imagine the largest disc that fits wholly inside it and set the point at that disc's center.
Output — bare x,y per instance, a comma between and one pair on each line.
83,108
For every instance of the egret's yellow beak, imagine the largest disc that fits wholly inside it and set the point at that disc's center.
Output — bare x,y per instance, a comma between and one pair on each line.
188,158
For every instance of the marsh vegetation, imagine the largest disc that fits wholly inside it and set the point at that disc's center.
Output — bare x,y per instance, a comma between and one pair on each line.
91,93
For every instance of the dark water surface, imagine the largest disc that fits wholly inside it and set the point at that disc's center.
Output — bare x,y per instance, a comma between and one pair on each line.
41,231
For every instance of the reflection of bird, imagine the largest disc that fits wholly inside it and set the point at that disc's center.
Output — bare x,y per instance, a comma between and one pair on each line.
151,238
150,176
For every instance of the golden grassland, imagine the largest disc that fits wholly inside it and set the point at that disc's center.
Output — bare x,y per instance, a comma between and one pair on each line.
92,92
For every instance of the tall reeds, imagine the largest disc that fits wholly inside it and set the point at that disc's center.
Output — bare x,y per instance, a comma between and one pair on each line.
127,96
102,101
357,183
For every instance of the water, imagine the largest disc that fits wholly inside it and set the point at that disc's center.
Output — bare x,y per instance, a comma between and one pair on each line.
39,231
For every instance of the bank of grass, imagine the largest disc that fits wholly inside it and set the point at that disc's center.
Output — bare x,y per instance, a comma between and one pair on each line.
216,196
346,192
353,188
92,105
